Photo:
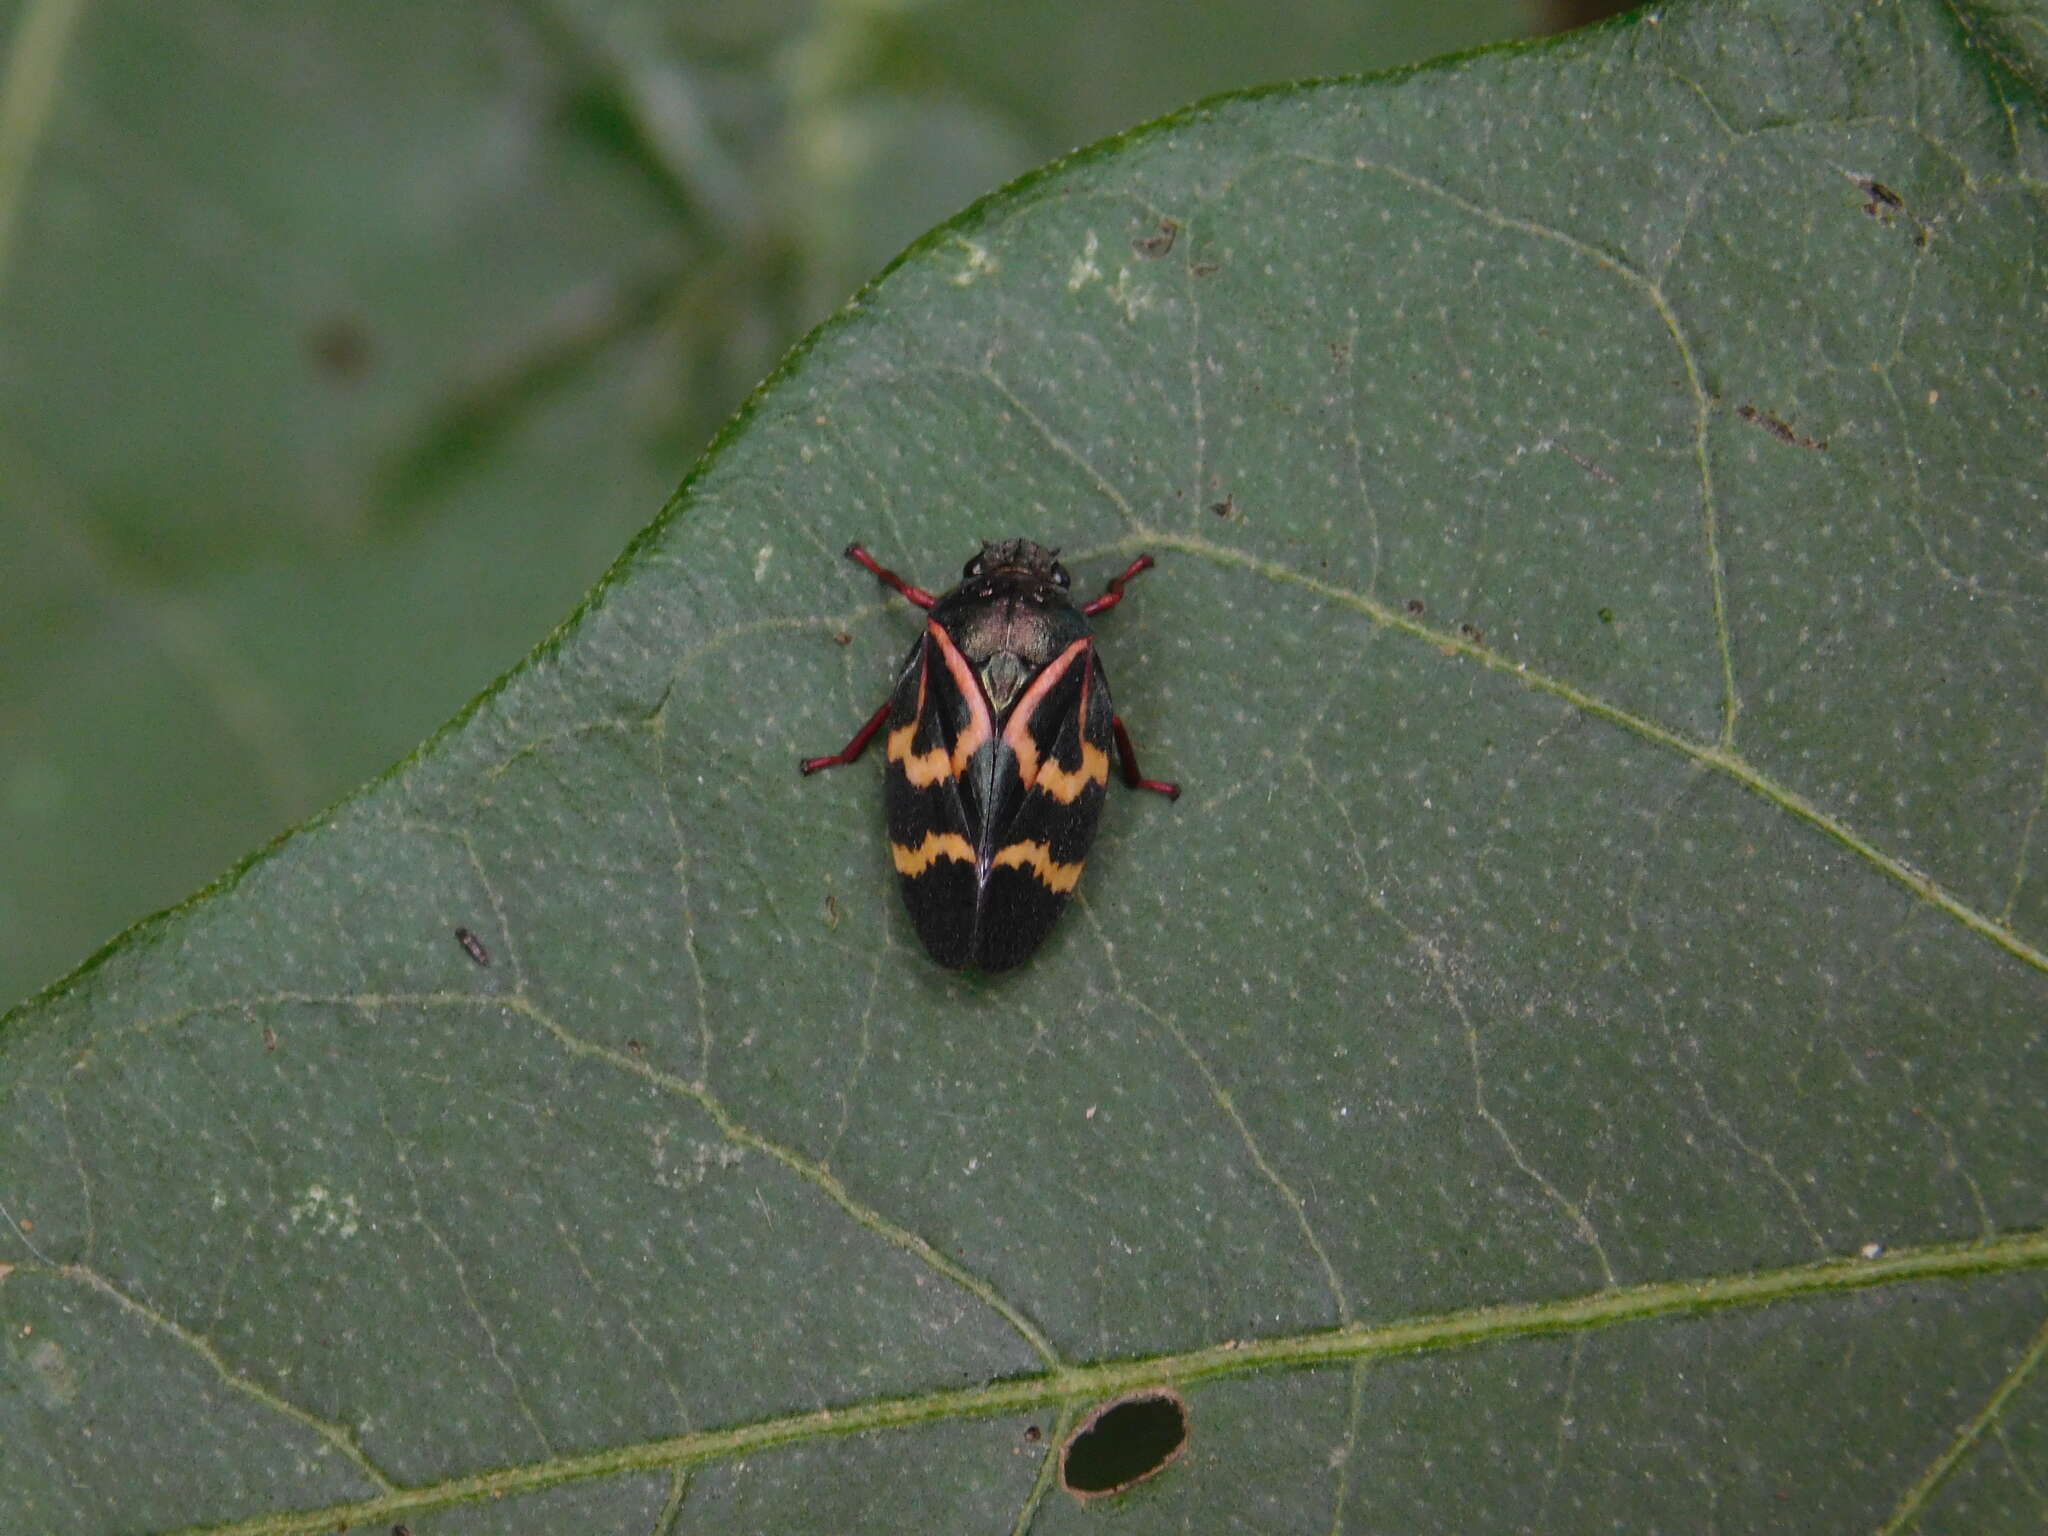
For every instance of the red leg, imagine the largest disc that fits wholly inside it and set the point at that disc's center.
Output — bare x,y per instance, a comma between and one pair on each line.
1128,756
853,748
889,578
1115,592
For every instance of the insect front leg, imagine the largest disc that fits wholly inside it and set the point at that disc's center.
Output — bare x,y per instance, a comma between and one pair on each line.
889,578
853,748
1114,593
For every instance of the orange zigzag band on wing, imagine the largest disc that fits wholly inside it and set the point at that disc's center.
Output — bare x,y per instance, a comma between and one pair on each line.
1064,785
926,768
913,862
1037,857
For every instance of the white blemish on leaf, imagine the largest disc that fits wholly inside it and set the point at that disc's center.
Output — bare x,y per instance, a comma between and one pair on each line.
979,262
329,1215
761,558
721,1154
704,1159
56,1379
1133,297
1084,271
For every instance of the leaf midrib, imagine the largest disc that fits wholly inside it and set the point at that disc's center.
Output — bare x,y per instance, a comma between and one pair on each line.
1071,1385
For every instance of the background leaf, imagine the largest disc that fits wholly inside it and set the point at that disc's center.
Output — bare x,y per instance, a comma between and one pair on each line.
1573,1057
341,348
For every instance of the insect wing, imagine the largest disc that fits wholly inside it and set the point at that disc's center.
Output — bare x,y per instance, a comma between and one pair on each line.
937,721
1059,737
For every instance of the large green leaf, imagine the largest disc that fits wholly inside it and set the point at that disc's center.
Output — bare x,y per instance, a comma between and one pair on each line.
342,346
1573,1057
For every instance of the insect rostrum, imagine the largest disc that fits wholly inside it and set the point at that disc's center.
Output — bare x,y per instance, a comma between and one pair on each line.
999,732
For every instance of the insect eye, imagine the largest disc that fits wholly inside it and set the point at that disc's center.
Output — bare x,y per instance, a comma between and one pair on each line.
972,568
1060,578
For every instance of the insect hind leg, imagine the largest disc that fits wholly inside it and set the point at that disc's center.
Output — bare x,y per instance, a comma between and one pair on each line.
1127,755
853,748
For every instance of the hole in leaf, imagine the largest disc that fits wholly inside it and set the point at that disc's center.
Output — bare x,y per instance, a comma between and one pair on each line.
1124,1443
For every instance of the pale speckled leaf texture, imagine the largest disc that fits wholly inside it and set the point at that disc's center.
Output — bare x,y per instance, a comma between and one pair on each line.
1574,1057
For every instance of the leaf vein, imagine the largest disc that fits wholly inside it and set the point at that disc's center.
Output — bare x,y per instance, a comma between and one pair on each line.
1082,1384
1716,756
340,1436
1913,1503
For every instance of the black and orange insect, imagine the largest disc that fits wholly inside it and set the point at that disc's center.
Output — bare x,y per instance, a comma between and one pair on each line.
999,731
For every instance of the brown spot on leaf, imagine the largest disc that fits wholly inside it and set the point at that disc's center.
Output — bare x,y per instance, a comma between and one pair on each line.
1780,429
1157,244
